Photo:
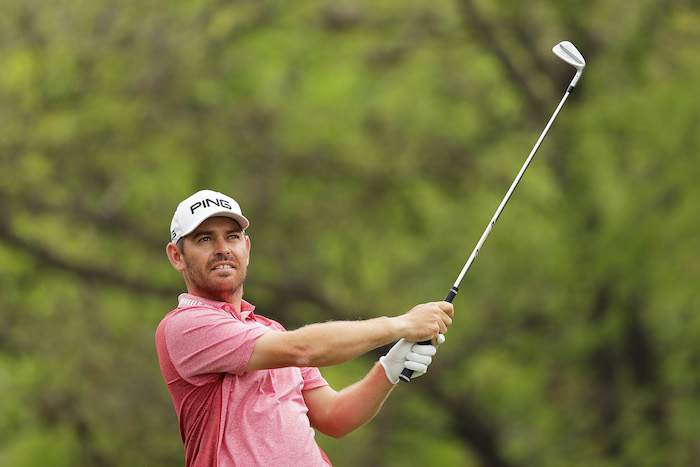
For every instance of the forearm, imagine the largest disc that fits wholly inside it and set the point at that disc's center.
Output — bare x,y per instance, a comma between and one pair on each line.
356,405
335,342
323,344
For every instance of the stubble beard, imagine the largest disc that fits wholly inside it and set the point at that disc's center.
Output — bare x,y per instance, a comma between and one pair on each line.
220,290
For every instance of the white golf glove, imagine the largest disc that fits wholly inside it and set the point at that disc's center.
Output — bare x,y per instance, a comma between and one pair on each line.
411,355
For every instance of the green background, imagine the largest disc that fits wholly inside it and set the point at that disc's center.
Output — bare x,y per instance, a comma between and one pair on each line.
369,142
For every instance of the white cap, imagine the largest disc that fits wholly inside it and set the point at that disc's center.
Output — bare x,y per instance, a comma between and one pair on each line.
200,207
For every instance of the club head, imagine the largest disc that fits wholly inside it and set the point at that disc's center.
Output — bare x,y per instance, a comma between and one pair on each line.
570,54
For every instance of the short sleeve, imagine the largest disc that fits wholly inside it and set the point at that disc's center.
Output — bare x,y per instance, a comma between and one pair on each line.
203,341
312,378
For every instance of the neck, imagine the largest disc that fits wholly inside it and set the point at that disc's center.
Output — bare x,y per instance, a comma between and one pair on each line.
234,297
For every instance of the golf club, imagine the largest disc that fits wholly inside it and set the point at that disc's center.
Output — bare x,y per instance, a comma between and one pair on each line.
567,52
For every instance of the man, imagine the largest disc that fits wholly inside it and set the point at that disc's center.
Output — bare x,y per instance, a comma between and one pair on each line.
247,392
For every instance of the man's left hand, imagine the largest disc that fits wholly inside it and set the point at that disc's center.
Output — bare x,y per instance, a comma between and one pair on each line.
406,354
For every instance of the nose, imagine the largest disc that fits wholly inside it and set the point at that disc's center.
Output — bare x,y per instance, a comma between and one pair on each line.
221,246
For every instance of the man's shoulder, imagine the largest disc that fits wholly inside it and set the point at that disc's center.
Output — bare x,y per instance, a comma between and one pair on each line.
260,319
188,313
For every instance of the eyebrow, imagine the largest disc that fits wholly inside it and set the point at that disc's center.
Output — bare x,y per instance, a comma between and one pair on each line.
206,233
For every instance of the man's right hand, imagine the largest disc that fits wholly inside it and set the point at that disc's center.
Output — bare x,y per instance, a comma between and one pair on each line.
426,321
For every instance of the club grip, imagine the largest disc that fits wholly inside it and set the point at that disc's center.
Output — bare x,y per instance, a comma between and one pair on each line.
451,294
406,374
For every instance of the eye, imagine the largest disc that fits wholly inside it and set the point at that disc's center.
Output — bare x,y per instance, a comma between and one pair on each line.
203,239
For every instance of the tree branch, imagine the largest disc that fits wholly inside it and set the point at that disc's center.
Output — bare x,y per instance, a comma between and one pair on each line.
49,258
489,38
468,422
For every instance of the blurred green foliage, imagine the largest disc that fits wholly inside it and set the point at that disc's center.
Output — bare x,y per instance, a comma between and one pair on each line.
369,143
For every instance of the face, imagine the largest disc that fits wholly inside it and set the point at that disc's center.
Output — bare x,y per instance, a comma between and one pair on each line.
214,259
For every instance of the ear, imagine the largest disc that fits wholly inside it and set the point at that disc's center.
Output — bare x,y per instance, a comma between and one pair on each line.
175,257
247,244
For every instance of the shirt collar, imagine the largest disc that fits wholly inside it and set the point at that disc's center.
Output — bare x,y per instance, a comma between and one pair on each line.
187,300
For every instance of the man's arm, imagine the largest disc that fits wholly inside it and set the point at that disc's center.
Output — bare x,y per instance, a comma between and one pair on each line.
336,414
335,342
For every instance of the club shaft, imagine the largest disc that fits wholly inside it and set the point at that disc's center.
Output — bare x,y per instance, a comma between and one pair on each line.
406,373
501,207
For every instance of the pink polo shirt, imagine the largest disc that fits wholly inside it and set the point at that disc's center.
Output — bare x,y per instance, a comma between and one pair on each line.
229,416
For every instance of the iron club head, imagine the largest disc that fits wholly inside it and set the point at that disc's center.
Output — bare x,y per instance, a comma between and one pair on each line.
570,54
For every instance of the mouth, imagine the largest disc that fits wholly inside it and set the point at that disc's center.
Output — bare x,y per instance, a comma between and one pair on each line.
223,267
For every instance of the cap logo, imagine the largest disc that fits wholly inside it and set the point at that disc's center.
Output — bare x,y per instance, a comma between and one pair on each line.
205,203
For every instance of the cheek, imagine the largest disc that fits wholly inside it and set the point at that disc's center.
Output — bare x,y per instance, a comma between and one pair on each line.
190,264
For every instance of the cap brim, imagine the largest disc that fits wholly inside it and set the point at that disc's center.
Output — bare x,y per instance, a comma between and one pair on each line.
242,221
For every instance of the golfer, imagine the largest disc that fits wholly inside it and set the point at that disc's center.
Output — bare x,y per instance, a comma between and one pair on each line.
246,391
